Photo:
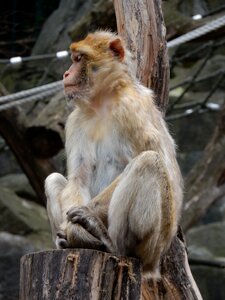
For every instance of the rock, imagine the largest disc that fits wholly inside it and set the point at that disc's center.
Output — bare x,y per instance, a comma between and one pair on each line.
193,7
53,115
207,245
208,238
215,213
176,22
42,240
20,216
101,15
187,160
12,247
8,162
76,18
210,281
190,137
19,184
183,72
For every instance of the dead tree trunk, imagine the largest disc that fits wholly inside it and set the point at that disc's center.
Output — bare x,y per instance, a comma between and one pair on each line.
141,24
12,129
79,274
87,277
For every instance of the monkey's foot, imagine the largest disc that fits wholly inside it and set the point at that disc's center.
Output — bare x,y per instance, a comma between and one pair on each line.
61,240
84,216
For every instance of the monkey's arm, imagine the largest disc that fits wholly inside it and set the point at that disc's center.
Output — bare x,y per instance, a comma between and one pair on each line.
100,204
86,226
74,194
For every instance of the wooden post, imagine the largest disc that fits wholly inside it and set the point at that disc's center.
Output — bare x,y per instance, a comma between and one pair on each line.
79,274
141,25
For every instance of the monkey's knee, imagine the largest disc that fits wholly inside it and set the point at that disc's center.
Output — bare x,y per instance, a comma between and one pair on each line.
146,159
54,183
142,163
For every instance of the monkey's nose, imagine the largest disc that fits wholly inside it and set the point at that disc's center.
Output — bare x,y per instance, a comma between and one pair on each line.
66,74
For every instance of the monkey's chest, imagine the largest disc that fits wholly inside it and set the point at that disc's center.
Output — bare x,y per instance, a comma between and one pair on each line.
109,160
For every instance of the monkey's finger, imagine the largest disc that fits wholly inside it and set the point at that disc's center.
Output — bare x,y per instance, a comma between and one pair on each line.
77,211
62,243
61,235
108,244
76,219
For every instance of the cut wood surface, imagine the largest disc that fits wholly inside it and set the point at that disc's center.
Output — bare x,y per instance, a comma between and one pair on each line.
79,274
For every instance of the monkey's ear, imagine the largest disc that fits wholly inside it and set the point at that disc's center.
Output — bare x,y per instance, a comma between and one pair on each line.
117,48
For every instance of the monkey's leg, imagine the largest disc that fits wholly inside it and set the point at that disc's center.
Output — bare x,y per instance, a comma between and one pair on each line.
54,185
61,195
141,212
87,225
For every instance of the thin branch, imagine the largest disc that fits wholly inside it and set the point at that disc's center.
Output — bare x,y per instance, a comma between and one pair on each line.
192,80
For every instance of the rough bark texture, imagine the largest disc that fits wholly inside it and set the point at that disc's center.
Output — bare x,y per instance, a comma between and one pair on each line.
12,129
206,182
79,274
177,282
141,24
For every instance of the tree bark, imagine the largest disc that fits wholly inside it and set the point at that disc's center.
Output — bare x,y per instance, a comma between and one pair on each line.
141,24
79,274
176,282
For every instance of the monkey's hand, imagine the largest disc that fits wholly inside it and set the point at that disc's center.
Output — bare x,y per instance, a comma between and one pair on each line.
84,229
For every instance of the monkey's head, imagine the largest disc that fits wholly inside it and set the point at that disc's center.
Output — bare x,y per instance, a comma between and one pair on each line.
99,67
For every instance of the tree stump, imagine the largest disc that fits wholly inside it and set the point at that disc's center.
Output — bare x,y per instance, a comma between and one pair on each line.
79,274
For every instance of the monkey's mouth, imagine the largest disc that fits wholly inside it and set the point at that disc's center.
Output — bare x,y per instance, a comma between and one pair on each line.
71,90
74,87
69,85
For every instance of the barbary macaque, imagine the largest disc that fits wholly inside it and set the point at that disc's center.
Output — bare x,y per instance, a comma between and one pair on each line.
123,191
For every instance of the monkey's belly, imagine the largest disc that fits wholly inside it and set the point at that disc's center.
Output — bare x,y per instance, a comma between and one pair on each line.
104,172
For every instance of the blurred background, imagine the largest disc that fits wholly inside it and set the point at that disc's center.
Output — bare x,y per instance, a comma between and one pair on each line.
34,41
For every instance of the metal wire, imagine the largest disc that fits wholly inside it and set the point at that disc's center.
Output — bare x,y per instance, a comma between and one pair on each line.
220,22
44,91
50,86
36,57
180,40
36,97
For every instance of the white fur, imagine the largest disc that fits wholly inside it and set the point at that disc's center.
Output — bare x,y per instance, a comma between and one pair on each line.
98,163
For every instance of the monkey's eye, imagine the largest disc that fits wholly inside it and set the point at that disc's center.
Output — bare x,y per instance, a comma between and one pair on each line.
78,58
94,68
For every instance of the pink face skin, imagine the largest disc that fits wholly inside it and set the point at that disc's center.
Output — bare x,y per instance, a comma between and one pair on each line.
74,78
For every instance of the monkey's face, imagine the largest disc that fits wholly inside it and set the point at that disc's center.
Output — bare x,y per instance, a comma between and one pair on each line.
94,60
75,79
